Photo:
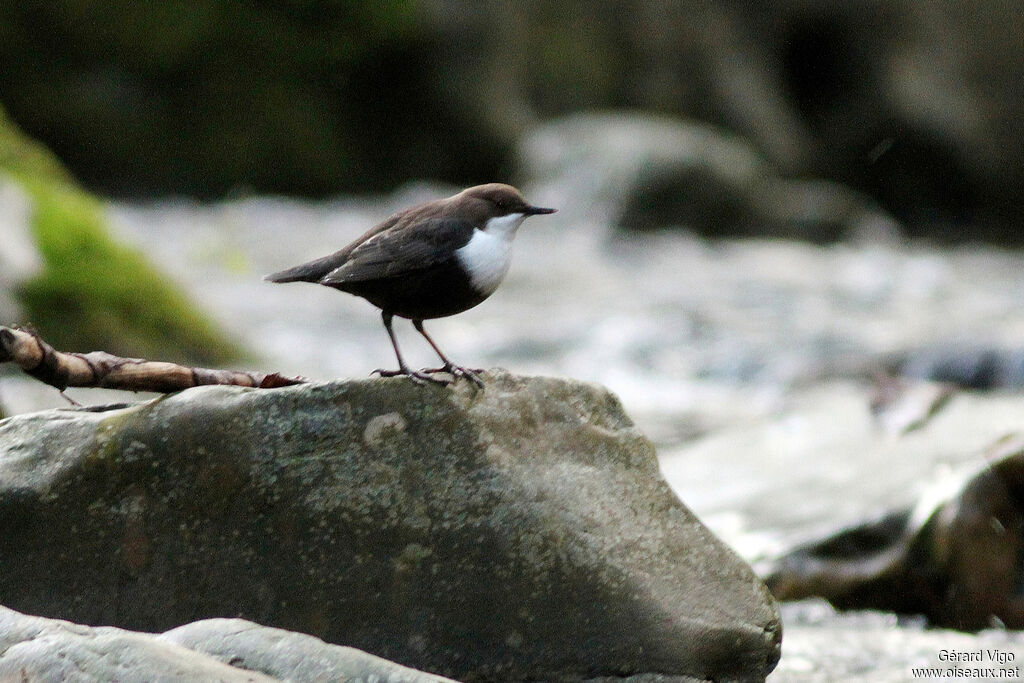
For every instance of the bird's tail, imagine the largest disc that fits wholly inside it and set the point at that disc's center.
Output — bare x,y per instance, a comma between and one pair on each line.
308,272
296,274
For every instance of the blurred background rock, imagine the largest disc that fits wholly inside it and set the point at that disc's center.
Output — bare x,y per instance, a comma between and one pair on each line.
916,104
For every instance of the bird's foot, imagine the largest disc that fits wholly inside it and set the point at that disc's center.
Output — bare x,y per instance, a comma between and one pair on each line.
458,371
420,378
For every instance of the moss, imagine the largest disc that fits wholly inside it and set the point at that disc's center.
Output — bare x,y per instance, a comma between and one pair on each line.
94,293
23,156
97,294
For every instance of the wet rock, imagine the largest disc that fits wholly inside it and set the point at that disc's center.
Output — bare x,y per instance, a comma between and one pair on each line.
954,558
39,649
658,172
521,531
286,655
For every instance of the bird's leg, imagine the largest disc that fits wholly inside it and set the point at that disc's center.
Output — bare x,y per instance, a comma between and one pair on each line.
70,400
455,370
403,369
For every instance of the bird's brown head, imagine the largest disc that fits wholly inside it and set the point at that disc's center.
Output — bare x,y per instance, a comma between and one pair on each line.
495,200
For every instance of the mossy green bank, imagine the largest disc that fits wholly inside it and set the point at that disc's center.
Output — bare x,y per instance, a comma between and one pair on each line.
94,293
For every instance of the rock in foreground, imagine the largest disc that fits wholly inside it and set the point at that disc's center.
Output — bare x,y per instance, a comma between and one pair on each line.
226,650
522,531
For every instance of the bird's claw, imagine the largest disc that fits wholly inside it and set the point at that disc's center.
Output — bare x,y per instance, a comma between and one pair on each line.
425,375
419,378
458,371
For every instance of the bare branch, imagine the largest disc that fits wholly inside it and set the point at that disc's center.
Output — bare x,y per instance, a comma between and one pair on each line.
25,348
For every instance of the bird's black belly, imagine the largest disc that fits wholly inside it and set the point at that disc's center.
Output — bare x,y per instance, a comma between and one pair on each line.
433,292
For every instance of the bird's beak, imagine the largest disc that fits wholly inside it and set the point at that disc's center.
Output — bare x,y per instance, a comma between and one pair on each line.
537,210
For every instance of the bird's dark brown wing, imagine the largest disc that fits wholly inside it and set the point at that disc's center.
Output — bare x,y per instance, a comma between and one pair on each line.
318,268
393,253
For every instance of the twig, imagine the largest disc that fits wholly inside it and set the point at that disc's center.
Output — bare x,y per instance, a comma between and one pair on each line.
25,348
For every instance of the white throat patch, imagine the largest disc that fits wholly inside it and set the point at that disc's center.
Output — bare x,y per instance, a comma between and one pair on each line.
488,253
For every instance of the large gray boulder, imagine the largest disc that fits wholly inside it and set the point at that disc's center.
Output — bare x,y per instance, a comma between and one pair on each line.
519,531
38,649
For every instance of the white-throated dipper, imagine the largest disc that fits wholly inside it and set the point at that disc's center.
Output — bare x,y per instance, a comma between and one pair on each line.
429,261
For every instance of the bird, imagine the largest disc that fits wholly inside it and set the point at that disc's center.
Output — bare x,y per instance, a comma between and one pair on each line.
432,260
